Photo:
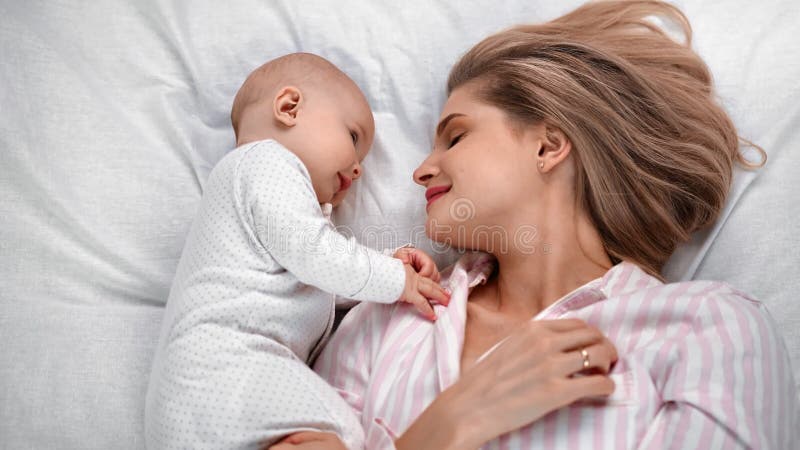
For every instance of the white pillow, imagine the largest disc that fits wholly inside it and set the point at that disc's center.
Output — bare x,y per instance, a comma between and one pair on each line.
113,113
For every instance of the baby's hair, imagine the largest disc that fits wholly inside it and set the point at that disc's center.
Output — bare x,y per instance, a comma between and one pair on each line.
653,148
298,69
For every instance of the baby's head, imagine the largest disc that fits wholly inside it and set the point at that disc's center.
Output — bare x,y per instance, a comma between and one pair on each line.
316,111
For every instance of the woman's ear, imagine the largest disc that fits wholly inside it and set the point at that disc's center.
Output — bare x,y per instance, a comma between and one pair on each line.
286,105
555,147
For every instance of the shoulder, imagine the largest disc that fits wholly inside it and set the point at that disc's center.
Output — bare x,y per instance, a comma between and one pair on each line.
267,169
266,156
717,295
713,309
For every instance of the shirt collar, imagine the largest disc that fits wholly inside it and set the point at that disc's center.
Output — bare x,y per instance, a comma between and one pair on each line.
476,267
622,279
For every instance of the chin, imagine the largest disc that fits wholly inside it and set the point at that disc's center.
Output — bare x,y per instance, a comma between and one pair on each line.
444,231
466,233
338,198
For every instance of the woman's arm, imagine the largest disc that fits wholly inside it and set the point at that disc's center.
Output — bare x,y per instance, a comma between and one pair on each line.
531,374
528,376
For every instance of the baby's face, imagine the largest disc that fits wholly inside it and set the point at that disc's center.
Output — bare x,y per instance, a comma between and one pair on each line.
333,134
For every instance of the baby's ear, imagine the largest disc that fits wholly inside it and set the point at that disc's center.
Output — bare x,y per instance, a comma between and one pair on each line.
286,105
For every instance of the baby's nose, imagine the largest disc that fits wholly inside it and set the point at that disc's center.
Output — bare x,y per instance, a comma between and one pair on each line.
357,170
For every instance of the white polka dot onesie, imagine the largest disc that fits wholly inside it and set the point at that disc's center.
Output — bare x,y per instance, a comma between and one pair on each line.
251,304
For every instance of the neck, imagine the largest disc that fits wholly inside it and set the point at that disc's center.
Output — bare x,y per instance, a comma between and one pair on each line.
567,254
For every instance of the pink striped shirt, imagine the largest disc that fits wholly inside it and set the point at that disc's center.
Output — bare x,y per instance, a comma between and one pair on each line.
701,366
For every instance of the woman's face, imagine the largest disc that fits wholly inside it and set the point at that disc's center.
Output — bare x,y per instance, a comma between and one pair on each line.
481,176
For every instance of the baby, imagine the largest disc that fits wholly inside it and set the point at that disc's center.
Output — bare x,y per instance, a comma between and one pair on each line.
253,299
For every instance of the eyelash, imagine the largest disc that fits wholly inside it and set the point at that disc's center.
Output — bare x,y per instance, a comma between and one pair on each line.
456,140
354,137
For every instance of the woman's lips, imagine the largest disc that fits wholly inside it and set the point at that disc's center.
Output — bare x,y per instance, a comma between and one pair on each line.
434,193
344,183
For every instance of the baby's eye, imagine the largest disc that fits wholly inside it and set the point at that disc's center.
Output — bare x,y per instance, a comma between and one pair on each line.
354,137
456,140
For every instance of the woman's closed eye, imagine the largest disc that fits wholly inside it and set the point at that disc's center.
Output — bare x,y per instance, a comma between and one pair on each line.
456,140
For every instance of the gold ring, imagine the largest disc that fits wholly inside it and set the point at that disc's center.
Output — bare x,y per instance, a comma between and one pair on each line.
585,355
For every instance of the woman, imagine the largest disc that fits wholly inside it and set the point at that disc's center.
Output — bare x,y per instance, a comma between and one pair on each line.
573,156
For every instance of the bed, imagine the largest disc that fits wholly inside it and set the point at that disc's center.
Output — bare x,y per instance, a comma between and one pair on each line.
112,114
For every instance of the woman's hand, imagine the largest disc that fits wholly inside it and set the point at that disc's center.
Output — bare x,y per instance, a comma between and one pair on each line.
310,440
538,369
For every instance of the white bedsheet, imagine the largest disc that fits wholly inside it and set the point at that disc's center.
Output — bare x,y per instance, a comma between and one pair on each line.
112,114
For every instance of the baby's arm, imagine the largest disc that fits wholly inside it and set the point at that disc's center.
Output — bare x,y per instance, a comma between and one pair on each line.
281,211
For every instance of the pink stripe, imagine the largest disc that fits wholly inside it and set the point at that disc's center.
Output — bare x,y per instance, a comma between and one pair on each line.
574,426
403,394
728,366
340,341
628,270
707,435
663,334
770,357
419,401
526,437
747,342
349,372
596,318
618,276
505,442
406,326
549,425
623,430
643,314
682,419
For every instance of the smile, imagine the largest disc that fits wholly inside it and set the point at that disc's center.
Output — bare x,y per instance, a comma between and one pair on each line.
344,183
434,193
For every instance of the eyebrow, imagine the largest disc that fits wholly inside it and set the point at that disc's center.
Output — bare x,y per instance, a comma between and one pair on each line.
444,122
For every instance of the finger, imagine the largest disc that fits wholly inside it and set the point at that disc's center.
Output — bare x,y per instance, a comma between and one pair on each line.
403,256
577,339
423,305
429,269
597,359
420,263
433,291
561,325
425,268
590,386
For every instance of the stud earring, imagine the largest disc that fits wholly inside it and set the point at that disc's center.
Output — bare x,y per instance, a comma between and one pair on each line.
541,164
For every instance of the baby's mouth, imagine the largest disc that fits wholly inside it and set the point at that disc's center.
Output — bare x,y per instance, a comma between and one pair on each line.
344,183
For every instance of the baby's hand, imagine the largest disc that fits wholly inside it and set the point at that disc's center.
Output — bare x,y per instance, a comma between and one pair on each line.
419,290
420,261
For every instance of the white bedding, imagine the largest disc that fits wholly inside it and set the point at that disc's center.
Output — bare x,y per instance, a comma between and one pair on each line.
112,114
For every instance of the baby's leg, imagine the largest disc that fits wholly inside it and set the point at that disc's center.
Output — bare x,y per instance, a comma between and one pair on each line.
221,388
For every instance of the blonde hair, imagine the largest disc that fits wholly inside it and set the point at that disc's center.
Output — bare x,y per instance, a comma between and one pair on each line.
653,148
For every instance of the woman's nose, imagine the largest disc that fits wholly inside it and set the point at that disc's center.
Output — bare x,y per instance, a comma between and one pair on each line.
425,172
